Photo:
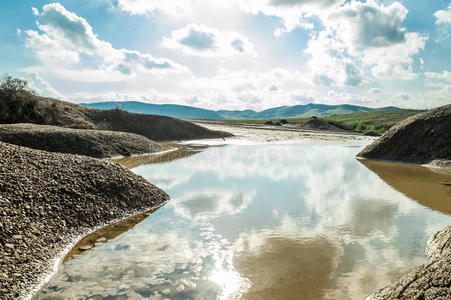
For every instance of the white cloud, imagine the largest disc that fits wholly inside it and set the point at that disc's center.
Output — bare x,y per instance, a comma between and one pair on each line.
35,11
395,61
202,40
64,38
443,16
50,50
445,75
293,13
335,97
41,87
329,63
248,89
177,8
361,35
367,25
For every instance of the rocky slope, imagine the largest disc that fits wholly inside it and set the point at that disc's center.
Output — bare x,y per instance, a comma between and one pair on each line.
24,107
94,143
47,200
424,138
431,281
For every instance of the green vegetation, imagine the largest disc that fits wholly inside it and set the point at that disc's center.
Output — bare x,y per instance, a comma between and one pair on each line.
378,121
19,104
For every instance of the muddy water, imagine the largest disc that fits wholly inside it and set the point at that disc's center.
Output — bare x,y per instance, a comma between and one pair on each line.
269,221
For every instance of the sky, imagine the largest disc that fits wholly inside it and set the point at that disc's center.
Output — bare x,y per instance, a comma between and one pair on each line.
232,54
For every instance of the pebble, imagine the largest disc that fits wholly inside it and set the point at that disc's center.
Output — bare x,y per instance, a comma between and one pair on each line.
50,220
85,247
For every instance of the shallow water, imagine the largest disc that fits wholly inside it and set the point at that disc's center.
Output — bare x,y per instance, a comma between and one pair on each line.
269,221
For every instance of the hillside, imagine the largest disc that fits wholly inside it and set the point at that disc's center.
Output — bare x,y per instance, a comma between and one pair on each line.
424,138
188,112
378,121
24,107
170,110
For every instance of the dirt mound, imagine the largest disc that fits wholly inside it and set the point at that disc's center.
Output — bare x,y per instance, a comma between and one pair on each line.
94,143
423,138
430,281
49,199
24,107
158,128
318,124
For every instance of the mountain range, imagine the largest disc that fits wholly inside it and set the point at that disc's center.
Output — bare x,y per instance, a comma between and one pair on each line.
189,112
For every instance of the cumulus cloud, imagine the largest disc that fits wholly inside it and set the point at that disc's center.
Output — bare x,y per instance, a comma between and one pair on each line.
395,61
330,64
63,38
364,34
140,7
41,87
445,75
196,39
443,16
366,25
293,13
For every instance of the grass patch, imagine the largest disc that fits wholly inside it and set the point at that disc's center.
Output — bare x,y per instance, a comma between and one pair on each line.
378,121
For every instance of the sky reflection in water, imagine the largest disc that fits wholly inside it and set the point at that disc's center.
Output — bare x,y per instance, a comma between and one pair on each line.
259,222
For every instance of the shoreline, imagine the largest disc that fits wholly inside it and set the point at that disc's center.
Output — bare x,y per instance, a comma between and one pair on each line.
428,281
61,256
50,201
444,165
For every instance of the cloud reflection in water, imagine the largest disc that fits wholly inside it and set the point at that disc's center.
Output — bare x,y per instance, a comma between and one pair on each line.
259,222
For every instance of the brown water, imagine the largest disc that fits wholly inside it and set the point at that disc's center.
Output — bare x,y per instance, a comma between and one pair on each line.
274,221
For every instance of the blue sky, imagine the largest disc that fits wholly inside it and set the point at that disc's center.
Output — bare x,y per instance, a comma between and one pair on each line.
235,54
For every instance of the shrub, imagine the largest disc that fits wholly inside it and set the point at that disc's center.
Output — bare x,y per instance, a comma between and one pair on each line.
19,104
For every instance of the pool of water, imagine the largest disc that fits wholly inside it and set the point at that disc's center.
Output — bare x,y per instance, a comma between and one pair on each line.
266,221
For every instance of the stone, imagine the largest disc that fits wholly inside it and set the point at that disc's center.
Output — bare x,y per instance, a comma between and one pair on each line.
101,240
85,247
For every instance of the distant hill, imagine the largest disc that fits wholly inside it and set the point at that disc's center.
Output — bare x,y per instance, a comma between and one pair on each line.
169,110
188,112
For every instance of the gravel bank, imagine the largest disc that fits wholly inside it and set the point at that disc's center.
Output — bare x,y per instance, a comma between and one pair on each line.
424,139
48,200
430,281
24,107
94,143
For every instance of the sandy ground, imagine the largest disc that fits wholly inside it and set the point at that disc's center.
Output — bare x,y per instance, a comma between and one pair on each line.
265,133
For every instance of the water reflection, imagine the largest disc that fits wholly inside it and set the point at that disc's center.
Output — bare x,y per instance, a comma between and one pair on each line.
172,151
431,188
259,222
286,267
